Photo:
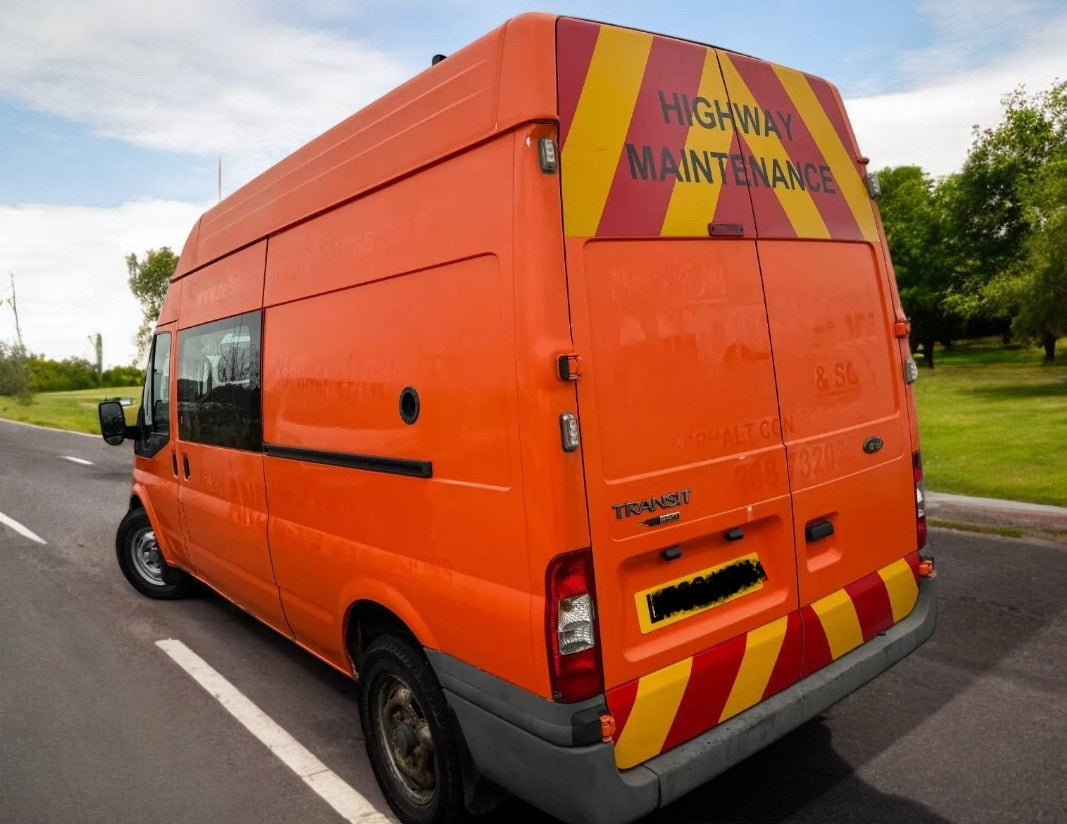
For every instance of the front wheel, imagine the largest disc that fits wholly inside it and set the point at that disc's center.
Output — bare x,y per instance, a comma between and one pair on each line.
142,563
411,741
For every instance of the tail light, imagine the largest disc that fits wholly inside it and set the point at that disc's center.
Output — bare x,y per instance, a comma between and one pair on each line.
570,628
920,500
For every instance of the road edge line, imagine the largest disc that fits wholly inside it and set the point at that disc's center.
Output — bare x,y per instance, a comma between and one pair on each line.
21,530
329,786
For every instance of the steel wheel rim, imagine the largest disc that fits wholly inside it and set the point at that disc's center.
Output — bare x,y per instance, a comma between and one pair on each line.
405,739
144,553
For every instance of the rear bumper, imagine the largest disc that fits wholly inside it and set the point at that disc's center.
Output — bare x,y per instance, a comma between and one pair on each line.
520,741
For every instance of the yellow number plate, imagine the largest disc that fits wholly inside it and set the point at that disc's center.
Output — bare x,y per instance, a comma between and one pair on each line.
698,592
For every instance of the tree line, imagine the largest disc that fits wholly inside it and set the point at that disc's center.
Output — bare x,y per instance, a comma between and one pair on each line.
23,374
983,251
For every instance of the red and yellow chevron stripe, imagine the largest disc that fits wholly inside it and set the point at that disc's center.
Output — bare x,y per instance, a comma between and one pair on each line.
661,137
674,704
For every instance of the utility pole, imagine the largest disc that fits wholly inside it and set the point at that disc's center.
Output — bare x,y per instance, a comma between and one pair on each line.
97,342
15,309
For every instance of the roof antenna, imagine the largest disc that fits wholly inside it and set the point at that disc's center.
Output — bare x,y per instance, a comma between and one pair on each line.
437,58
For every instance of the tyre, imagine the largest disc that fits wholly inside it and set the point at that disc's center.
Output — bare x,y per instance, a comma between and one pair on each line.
411,740
142,563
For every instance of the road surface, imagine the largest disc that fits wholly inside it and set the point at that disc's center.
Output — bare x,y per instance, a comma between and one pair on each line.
97,723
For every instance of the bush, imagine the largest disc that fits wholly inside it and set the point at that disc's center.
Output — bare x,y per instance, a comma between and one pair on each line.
122,376
48,375
14,377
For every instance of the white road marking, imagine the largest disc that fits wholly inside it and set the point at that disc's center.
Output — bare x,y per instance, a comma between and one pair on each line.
352,806
20,529
72,459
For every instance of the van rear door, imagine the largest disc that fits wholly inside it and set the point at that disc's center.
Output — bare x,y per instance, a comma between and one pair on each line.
686,473
832,313
731,302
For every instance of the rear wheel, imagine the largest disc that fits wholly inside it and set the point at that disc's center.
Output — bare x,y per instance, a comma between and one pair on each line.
411,741
141,561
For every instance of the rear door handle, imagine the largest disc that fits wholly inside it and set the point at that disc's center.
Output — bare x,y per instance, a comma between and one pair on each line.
185,465
817,530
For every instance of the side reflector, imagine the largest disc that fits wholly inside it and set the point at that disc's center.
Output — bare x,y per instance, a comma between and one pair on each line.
607,727
546,148
926,568
570,437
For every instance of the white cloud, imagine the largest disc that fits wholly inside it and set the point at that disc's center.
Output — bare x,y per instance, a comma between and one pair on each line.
202,76
931,125
70,272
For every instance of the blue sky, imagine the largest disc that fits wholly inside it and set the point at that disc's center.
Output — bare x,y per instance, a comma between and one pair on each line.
113,113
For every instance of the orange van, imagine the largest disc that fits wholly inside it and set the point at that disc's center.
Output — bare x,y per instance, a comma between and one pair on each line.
561,397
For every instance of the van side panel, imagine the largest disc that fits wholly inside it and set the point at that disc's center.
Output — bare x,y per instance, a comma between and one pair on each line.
229,287
458,102
223,498
410,287
553,480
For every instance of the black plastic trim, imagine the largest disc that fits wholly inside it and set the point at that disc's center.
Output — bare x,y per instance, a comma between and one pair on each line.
371,463
583,784
565,725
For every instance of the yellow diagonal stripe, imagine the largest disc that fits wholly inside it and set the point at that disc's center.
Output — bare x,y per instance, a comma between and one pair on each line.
601,121
692,205
903,591
842,164
761,653
658,696
839,621
797,203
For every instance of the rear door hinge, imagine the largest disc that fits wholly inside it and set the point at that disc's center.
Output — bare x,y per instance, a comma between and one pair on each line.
568,367
901,328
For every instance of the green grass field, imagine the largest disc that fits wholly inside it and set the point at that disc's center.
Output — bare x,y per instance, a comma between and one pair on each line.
993,423
68,410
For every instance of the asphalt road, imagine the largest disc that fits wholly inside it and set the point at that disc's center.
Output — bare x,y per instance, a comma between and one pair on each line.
97,724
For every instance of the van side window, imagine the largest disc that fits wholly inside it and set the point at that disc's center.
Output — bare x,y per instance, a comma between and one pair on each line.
156,399
219,383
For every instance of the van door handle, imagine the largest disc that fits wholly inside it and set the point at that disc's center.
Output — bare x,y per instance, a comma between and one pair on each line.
185,465
817,530
174,463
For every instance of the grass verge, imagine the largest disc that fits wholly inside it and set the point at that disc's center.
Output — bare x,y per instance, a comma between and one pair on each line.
993,423
1006,531
66,410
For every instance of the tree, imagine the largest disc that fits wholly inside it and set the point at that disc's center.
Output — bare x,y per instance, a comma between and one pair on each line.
1036,289
912,213
1005,201
148,281
14,379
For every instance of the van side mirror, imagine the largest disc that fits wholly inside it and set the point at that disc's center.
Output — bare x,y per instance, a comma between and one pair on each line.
113,422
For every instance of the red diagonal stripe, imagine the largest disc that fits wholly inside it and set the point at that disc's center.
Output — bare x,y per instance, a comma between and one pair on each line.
816,654
712,678
621,703
831,104
637,207
873,608
575,42
913,562
769,93
787,668
773,220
